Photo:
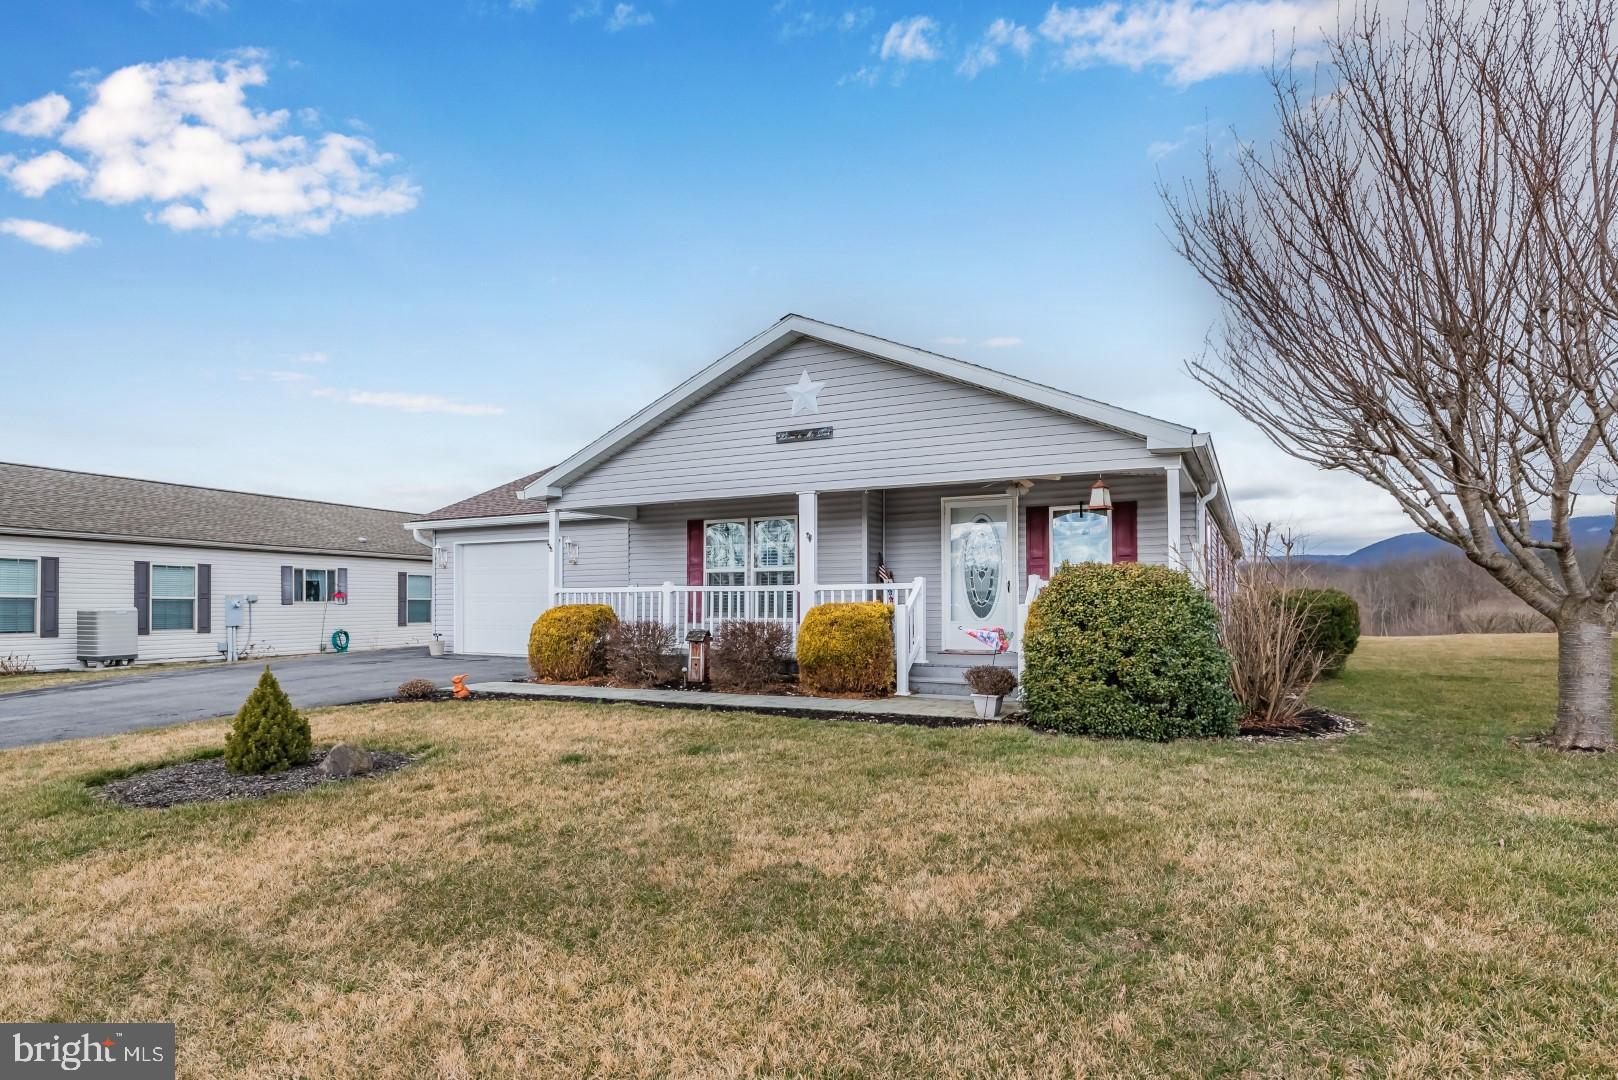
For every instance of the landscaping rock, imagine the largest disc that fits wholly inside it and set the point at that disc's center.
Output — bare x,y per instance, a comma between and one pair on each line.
345,759
208,780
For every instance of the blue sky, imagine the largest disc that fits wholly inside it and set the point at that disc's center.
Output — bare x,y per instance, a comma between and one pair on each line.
397,253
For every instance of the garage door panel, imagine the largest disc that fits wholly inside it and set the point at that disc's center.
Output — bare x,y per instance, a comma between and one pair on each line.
503,590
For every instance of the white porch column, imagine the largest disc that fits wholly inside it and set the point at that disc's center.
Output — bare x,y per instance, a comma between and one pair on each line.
808,546
554,520
1171,487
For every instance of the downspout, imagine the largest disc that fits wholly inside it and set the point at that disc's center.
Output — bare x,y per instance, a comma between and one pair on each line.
431,544
1202,531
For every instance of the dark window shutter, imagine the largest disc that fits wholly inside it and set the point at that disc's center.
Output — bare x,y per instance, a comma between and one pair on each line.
143,598
404,599
204,598
49,596
694,533
286,585
1125,545
342,582
1039,541
297,586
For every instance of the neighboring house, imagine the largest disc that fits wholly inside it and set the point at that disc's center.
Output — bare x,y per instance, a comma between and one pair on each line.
806,465
74,541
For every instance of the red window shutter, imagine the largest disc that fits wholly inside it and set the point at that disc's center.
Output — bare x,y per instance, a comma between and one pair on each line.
1125,545
1039,541
694,533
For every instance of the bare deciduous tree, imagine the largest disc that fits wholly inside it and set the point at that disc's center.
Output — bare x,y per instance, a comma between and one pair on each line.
1420,284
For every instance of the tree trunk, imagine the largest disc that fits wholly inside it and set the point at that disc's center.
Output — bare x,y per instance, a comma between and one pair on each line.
1583,678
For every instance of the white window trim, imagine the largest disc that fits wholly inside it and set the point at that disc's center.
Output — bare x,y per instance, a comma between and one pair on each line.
34,623
747,549
1050,533
1015,569
152,598
428,621
300,576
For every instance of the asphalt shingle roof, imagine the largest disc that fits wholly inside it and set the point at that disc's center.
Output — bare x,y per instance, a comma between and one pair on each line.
64,502
499,501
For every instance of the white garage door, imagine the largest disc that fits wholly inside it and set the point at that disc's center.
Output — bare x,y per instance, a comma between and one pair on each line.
502,589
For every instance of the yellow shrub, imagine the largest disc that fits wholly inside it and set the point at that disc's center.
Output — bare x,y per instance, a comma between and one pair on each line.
847,649
570,641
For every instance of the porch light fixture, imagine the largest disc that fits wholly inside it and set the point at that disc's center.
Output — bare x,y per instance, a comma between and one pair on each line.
1100,499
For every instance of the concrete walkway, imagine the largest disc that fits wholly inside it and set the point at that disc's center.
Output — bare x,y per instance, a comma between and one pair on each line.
916,709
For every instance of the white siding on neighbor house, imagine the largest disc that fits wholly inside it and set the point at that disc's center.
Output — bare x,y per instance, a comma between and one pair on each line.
892,425
603,560
100,574
914,528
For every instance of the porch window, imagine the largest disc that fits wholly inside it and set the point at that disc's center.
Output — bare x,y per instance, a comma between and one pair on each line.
751,551
1078,536
775,562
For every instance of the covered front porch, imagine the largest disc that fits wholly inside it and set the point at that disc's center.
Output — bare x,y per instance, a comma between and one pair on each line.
960,557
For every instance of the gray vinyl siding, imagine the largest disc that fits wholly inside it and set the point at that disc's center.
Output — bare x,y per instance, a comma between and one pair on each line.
98,574
893,426
603,555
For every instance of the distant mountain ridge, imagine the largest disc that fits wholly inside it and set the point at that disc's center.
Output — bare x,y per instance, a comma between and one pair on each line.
1587,531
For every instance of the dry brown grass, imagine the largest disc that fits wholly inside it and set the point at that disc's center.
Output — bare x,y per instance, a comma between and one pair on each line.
601,890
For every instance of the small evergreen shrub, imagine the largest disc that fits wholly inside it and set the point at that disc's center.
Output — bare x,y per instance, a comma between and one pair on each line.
570,641
990,679
416,690
747,654
847,649
638,652
1126,650
1332,624
268,734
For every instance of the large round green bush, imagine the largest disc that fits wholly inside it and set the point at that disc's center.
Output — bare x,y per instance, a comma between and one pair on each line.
1126,650
569,642
1331,624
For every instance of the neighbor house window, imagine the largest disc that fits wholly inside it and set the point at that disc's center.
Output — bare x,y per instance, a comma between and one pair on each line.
418,598
174,597
19,595
314,586
1078,536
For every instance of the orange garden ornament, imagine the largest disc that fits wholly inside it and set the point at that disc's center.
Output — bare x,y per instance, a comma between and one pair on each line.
458,684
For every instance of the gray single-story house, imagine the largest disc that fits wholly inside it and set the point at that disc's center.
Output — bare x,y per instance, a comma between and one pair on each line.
174,557
815,464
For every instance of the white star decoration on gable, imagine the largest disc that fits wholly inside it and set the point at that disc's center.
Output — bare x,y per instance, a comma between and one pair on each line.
804,395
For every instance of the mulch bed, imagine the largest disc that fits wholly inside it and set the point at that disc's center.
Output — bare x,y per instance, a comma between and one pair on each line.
1312,723
209,781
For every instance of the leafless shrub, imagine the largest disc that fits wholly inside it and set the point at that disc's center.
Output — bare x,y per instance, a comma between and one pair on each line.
638,652
1272,666
747,654
416,690
16,664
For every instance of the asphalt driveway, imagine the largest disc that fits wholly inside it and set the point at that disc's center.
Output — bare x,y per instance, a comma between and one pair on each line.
129,702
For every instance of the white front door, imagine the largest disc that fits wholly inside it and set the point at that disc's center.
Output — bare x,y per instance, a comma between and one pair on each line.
502,590
980,570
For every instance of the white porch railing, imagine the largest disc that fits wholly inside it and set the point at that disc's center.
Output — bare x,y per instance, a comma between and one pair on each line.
704,607
1035,585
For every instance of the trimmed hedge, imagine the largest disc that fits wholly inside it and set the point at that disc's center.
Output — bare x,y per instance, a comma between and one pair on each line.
268,734
570,641
1332,624
846,649
1126,650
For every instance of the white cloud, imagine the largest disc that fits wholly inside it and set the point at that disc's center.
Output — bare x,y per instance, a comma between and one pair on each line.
865,76
1193,39
43,234
1162,148
311,358
181,136
625,16
910,40
36,176
796,19
410,403
39,118
1001,34
1001,342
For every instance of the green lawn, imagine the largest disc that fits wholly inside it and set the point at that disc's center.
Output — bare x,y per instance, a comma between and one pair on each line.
598,890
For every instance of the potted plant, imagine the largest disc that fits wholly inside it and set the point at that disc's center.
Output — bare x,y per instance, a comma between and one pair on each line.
989,685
